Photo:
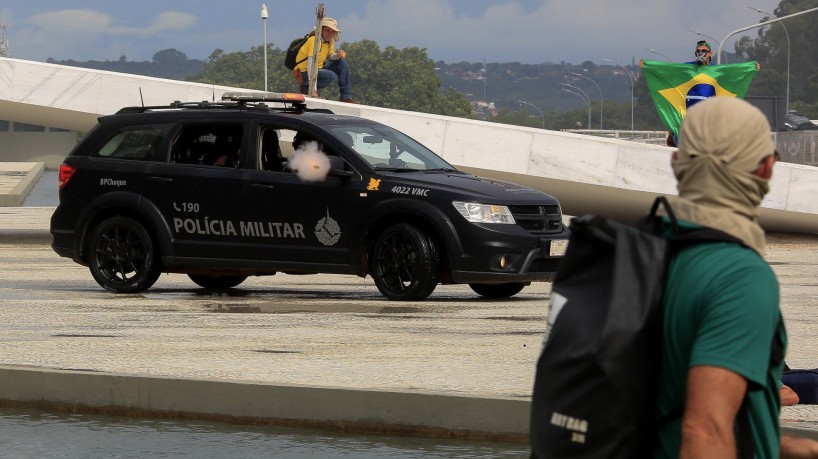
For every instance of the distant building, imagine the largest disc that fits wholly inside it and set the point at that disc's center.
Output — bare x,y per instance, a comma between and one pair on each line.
483,109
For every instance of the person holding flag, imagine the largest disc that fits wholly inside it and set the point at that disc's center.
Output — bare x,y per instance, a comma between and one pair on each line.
675,87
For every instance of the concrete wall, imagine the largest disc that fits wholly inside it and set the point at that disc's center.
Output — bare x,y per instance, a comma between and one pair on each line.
46,147
417,413
588,174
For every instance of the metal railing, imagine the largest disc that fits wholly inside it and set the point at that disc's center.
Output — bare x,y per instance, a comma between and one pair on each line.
651,137
799,147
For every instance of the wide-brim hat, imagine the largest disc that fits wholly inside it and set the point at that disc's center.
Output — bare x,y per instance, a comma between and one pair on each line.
332,24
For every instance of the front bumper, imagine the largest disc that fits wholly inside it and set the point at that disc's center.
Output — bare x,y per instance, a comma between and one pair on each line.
529,257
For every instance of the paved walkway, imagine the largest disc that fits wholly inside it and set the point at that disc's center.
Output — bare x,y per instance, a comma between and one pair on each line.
306,347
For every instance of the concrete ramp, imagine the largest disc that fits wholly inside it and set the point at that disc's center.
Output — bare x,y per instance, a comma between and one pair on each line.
587,174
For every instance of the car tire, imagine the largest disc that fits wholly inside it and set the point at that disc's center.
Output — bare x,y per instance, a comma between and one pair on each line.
216,282
405,263
121,256
498,290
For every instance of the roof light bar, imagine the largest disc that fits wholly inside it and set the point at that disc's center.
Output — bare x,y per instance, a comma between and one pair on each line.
263,97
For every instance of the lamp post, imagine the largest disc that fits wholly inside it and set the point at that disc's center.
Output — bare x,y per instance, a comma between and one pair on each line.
264,20
657,52
706,36
538,110
629,77
787,103
587,99
600,95
584,99
755,26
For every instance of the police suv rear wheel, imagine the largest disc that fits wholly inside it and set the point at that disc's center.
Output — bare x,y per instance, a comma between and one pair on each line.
498,290
405,263
121,256
216,282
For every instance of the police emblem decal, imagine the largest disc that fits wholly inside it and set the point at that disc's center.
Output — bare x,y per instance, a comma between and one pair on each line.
327,230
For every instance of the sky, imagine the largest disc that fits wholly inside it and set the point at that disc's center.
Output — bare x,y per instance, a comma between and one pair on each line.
527,31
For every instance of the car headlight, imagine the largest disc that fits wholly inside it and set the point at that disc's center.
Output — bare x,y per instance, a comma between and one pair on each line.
484,213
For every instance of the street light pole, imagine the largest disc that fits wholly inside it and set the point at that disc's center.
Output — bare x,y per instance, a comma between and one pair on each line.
600,95
755,26
264,20
657,52
584,99
587,99
787,103
630,78
538,110
702,34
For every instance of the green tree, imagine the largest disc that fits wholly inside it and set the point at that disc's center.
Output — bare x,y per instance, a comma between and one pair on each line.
246,70
770,47
169,56
404,79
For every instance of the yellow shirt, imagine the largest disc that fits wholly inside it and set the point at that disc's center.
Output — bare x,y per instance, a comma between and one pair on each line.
326,49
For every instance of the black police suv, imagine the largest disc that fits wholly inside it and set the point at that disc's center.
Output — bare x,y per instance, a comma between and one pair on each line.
224,190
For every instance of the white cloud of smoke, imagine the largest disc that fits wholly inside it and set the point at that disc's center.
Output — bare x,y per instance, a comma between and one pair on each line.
309,163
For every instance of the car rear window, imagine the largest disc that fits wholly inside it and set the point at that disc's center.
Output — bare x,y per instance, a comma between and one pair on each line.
134,142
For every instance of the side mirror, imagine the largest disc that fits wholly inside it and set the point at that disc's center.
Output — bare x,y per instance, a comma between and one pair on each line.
337,167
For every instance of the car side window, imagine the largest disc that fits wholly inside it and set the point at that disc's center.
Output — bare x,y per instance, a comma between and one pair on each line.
208,145
140,143
277,147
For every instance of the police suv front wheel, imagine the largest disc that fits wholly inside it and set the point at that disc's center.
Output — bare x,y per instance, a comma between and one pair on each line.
498,290
216,282
121,256
405,263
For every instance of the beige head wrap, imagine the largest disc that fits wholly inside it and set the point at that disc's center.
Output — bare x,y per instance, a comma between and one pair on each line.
722,140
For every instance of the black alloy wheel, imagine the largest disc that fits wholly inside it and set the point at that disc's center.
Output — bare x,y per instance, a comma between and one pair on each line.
121,256
405,263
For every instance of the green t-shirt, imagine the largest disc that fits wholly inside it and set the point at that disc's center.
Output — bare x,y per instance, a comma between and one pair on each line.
721,309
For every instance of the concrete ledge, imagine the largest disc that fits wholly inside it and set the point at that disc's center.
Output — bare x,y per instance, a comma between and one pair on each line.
25,224
424,414
16,180
412,413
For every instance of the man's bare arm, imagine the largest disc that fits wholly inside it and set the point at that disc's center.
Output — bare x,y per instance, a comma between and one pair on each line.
714,396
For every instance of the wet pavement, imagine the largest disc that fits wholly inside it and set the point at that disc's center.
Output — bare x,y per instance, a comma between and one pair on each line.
325,330
42,434
320,329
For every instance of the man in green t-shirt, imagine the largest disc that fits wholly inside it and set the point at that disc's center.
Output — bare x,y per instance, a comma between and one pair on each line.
722,323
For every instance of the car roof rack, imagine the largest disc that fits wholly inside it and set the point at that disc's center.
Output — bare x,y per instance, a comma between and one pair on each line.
245,97
237,100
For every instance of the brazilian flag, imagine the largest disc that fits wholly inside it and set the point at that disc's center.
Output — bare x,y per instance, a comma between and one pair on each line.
675,87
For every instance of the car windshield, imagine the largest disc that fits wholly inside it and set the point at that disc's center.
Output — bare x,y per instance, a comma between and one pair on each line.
388,149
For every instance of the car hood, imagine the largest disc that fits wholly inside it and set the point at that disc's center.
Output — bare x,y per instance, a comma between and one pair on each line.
470,187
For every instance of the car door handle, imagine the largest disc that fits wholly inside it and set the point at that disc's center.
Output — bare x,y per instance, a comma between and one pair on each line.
160,179
261,187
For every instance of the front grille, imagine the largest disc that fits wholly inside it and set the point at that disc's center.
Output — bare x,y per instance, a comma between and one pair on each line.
538,218
544,265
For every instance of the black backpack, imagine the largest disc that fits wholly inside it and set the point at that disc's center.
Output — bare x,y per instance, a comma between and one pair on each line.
292,51
595,384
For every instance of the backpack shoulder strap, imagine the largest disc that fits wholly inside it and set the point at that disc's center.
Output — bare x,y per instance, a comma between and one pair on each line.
306,37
